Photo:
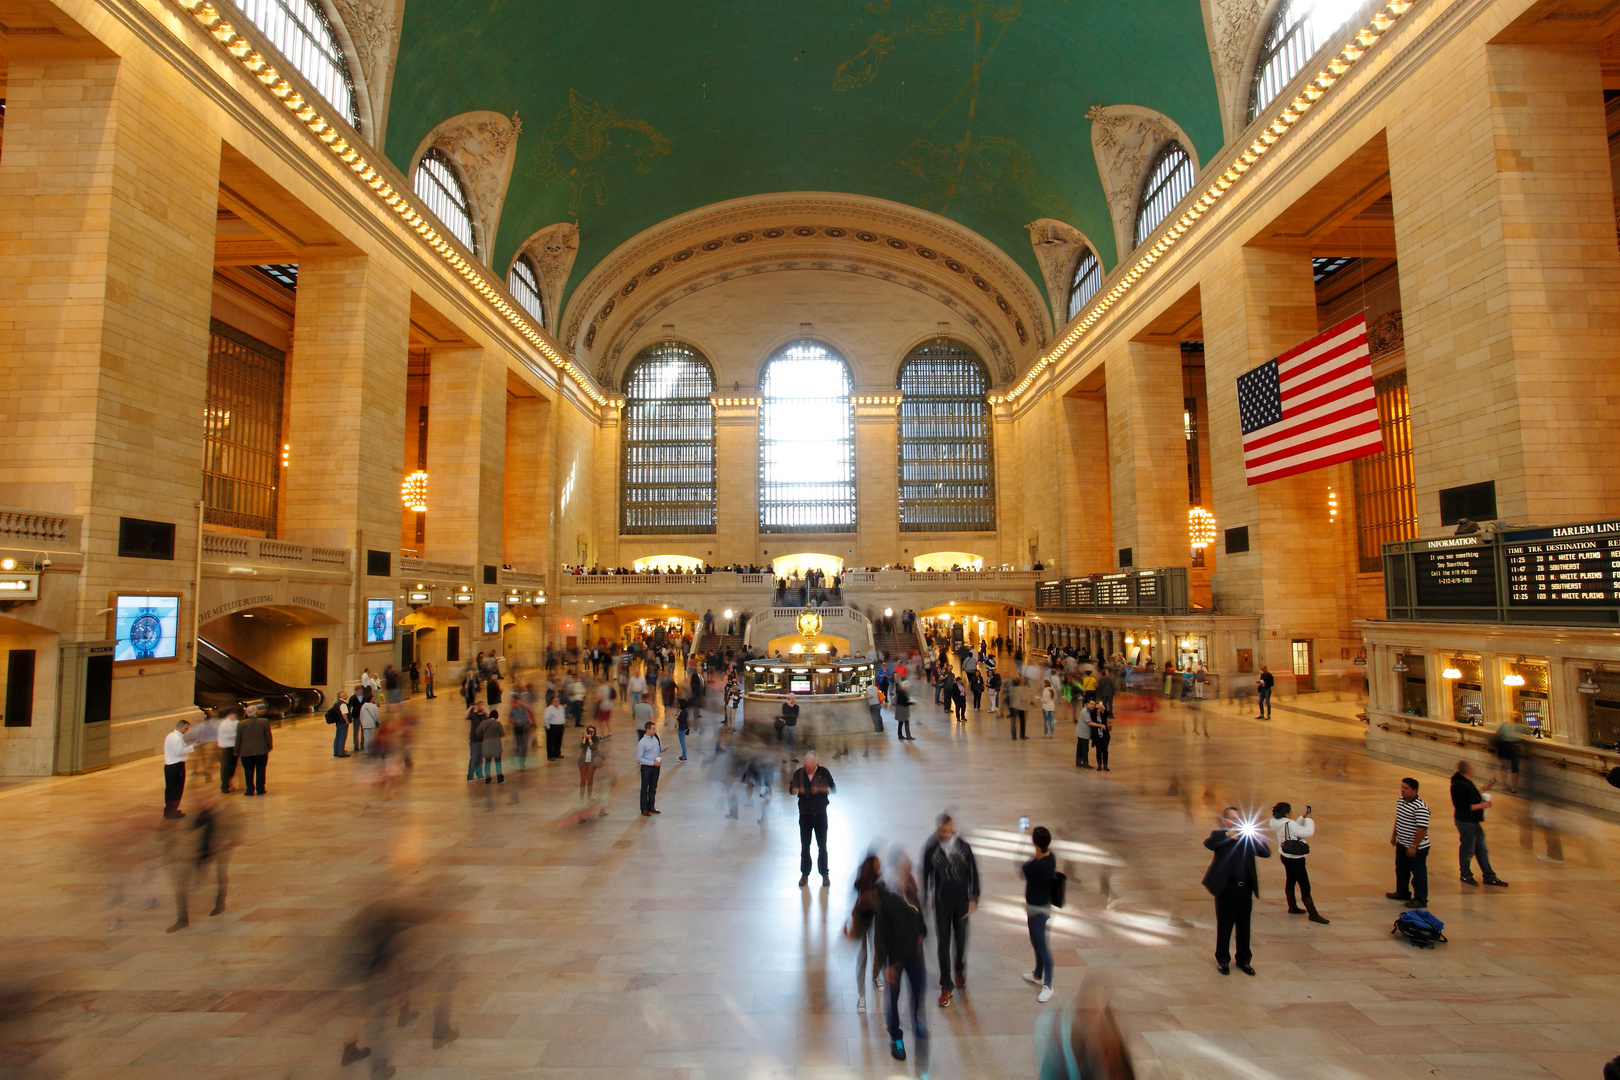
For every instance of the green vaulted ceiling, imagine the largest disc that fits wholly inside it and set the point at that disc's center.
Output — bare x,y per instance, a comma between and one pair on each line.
635,111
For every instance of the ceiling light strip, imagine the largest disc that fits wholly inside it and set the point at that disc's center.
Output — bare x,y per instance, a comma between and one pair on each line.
1375,28
254,63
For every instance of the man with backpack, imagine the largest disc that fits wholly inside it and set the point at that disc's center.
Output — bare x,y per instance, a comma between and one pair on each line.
338,715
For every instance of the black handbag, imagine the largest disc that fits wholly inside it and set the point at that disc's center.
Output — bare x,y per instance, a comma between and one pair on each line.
1060,885
1292,845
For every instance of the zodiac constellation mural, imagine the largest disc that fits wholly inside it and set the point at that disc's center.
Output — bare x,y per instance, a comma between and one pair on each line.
989,170
578,148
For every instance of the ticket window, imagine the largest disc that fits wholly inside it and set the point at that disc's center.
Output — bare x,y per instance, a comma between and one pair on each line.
1468,692
1603,710
1531,704
1192,652
1414,685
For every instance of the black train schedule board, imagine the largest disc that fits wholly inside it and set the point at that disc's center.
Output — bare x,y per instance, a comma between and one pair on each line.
1564,565
1457,572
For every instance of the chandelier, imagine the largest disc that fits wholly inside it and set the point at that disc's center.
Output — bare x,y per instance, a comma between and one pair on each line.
1200,527
413,492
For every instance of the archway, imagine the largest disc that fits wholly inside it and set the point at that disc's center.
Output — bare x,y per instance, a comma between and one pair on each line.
948,560
787,565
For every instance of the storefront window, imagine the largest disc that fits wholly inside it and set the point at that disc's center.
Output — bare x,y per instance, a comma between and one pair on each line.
1192,652
1467,692
1530,704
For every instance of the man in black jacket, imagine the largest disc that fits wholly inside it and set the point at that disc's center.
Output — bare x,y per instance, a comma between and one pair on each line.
950,878
812,783
1468,808
1232,880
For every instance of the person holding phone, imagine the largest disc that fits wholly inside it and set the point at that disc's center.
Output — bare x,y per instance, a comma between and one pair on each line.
1293,846
1234,883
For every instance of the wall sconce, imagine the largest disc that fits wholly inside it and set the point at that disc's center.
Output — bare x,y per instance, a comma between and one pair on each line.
1513,678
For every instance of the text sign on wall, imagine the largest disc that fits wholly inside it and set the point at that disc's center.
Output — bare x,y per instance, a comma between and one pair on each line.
1455,572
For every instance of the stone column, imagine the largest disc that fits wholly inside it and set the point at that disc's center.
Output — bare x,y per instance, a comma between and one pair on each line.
108,194
526,520
736,437
345,425
466,457
1147,454
1087,522
1299,570
1510,285
877,479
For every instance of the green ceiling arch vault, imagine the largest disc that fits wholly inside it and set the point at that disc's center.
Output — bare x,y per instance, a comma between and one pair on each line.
635,111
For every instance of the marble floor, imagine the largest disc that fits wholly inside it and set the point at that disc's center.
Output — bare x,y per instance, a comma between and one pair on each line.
681,947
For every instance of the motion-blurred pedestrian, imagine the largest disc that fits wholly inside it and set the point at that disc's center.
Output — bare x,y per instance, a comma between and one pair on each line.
950,882
901,930
175,751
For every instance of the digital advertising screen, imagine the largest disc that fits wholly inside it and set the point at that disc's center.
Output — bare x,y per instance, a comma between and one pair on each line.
492,616
379,620
146,627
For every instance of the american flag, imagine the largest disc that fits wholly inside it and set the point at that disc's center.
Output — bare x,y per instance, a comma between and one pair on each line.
1312,406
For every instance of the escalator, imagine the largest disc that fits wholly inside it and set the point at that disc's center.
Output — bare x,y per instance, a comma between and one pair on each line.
224,681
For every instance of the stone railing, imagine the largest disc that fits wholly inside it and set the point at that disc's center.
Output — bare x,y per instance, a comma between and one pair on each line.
724,579
523,580
29,528
438,571
257,551
902,578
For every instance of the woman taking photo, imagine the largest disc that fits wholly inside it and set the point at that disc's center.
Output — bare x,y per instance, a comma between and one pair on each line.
590,759
1292,846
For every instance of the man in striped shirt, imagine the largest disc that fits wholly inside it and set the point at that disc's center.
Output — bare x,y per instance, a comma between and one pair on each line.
1410,838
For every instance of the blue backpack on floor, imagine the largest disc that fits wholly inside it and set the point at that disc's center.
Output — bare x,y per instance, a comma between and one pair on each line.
1421,928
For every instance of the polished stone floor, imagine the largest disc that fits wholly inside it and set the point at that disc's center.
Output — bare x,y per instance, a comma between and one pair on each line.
681,947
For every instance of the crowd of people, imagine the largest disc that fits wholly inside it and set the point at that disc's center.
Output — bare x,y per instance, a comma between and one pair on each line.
669,688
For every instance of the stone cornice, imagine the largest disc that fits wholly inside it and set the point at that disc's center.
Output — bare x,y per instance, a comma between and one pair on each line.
831,228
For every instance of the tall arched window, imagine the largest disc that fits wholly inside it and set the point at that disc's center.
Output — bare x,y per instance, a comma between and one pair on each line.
438,185
1297,31
300,31
524,285
806,442
1087,280
1168,182
668,482
947,468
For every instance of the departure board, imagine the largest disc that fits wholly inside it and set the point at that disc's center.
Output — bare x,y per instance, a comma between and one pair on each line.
1565,565
1455,573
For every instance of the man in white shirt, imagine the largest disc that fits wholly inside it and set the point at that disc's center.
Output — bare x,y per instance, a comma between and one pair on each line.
227,751
637,687
175,751
650,756
370,717
555,718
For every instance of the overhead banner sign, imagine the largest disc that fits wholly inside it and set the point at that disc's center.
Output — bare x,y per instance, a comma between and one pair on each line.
1311,407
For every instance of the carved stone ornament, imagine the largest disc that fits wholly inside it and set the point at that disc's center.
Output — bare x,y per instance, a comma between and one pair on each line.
372,27
552,250
1057,245
1231,26
1385,335
483,144
1125,139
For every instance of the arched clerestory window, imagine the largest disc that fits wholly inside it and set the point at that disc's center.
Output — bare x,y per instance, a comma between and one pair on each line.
668,443
523,282
300,31
1298,29
806,442
439,185
947,467
1168,182
1086,281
